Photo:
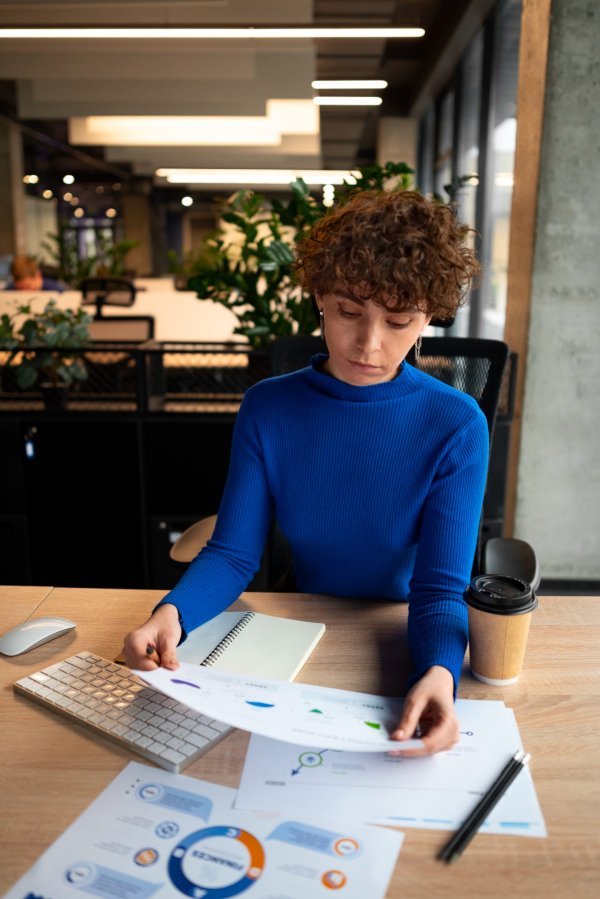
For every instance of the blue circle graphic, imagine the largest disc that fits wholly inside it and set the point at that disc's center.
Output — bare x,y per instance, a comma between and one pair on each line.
166,830
251,875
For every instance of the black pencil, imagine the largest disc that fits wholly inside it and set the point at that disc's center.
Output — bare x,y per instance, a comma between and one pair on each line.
463,836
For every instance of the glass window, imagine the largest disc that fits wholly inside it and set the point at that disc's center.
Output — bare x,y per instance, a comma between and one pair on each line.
443,161
426,151
501,155
467,154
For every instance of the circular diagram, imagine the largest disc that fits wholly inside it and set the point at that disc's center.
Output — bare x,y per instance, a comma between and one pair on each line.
333,880
150,792
220,861
310,759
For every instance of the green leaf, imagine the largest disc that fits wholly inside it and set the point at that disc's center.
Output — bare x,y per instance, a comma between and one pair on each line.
26,375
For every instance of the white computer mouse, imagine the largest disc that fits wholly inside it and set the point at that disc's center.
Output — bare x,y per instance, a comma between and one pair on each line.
33,633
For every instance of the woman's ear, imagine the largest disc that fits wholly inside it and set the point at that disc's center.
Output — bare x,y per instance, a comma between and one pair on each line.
319,301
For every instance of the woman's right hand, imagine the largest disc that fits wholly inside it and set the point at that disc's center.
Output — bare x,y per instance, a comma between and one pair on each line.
162,631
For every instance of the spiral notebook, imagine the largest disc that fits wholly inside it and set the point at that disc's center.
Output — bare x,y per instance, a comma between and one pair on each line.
251,643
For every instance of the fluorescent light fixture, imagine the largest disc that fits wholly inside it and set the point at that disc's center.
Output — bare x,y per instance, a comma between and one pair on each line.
348,85
211,33
186,201
247,177
347,101
504,179
68,179
283,117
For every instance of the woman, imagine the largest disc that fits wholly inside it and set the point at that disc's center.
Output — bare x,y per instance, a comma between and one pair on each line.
375,470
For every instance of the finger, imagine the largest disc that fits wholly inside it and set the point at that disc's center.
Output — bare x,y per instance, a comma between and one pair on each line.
413,708
134,649
441,737
168,658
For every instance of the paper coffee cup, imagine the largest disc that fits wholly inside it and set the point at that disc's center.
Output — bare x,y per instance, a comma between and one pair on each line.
500,609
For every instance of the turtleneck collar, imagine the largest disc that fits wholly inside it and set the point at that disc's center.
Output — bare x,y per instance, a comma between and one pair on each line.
405,382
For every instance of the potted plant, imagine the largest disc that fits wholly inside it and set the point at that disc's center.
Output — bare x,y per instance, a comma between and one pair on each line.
247,268
73,267
45,348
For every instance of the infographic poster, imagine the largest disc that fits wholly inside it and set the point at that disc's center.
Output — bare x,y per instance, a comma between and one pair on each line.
295,713
155,834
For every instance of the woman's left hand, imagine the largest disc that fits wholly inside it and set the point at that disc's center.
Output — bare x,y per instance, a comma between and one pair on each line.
429,703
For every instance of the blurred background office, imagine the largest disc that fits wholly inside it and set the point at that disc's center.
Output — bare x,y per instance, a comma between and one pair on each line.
126,158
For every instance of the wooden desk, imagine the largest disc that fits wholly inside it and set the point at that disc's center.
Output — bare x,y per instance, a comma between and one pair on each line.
51,769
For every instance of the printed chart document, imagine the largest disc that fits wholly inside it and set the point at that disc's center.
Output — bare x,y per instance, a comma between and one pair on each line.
296,713
435,792
151,833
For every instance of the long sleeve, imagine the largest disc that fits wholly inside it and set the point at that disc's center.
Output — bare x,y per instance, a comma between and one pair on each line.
437,619
225,566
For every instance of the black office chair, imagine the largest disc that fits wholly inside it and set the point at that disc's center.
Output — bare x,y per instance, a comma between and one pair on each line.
101,292
471,365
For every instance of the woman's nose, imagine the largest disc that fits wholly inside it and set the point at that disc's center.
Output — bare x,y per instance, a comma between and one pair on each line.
368,339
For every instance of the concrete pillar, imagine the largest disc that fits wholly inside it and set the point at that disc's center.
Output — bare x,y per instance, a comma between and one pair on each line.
13,233
558,486
136,226
397,140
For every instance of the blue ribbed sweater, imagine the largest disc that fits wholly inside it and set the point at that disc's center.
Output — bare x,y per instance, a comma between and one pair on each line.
378,489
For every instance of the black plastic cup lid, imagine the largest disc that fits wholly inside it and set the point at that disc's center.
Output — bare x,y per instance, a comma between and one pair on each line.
500,595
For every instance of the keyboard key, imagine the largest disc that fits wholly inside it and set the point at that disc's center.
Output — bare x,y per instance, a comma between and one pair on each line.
108,688
150,731
156,721
162,738
76,707
84,655
60,688
205,719
64,702
119,692
94,658
84,712
54,697
132,735
167,727
192,714
50,671
69,679
142,741
111,667
109,724
176,718
163,713
205,731
129,697
44,692
170,703
79,663
96,718
92,703
39,676
172,756
27,682
187,749
197,740
93,670
142,714
102,663
156,748
152,706
119,730
180,732
220,726
114,713
135,688
175,743
88,689
109,698
138,726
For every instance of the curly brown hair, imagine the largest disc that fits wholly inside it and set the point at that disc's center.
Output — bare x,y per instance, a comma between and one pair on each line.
399,248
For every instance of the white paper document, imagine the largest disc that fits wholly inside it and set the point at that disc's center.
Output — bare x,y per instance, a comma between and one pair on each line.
151,833
435,792
295,713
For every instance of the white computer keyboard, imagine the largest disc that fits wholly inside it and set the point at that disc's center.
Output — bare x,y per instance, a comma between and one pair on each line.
113,702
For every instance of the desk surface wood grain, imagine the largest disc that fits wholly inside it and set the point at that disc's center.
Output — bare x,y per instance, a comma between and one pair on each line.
51,769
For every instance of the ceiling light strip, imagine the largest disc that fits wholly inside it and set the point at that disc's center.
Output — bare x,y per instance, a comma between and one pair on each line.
255,176
347,101
349,85
211,33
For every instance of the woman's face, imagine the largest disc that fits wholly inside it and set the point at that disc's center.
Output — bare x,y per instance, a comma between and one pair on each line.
366,342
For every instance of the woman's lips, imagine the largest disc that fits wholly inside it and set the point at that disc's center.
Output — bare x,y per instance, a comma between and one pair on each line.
362,366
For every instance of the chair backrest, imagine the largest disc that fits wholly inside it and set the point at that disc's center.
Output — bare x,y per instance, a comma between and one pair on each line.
101,292
470,364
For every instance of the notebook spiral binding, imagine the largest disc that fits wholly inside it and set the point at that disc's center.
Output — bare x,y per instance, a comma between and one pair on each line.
220,648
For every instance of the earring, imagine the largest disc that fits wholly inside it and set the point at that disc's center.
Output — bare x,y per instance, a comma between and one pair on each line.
322,324
418,346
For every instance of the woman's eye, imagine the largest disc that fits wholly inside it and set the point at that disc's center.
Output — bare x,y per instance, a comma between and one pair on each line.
398,326
348,314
